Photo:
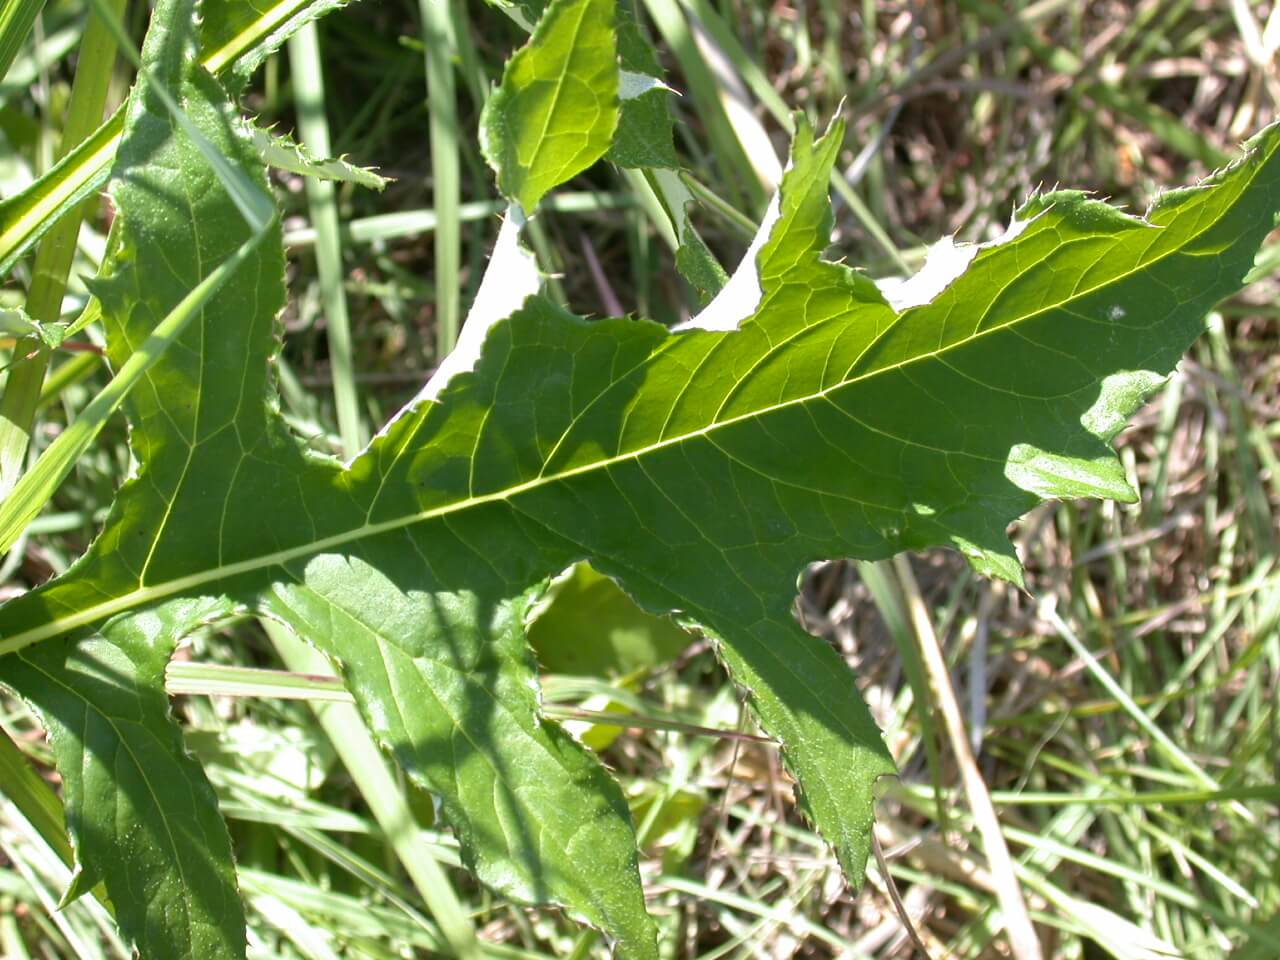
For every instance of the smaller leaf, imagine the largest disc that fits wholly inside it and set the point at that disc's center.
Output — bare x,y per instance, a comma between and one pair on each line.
698,264
644,137
18,323
585,625
282,152
556,110
34,799
27,215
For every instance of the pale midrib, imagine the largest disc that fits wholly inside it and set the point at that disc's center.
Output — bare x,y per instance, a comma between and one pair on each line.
146,595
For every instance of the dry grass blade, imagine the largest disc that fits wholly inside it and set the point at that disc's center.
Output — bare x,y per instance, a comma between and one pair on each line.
1023,940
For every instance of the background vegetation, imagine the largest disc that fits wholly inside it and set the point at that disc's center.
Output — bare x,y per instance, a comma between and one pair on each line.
1142,813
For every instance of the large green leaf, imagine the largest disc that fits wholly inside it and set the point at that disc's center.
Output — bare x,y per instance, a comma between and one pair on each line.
803,416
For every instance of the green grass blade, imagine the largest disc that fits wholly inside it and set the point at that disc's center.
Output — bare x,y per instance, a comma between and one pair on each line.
237,37
27,216
33,798
735,166
411,223
440,46
54,256
16,19
308,82
1161,739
